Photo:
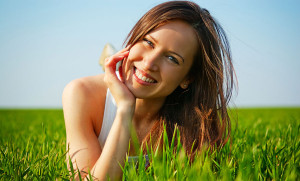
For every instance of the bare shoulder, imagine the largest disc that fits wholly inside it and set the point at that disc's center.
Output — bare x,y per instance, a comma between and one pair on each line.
85,97
86,86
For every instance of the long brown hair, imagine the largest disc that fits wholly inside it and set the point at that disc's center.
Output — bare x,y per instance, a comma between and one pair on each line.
200,112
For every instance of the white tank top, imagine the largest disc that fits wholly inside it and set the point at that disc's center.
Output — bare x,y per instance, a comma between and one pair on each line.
109,115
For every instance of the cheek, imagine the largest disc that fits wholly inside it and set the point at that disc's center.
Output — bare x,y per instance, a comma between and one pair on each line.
136,52
173,73
172,78
127,64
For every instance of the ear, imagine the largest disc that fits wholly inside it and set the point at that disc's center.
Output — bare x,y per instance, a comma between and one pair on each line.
185,83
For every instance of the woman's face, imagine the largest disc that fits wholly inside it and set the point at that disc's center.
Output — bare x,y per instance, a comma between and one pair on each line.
160,62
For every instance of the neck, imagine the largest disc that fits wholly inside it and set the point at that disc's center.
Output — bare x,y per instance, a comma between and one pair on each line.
144,116
147,110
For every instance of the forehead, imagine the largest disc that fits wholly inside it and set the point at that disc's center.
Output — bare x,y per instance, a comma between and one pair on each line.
177,36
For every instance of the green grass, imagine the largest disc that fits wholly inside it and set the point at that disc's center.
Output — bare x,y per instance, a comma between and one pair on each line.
265,145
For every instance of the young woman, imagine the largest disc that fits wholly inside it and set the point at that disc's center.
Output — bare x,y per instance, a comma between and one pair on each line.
175,70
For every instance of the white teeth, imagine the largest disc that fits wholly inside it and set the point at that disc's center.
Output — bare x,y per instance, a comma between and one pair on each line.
140,76
143,78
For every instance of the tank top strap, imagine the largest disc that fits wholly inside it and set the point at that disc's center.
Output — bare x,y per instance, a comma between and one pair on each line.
109,115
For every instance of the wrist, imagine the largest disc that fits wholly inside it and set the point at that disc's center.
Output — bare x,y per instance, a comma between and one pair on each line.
126,110
125,116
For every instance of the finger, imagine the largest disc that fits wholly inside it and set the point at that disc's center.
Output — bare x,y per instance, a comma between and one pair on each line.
112,63
123,50
128,47
110,68
118,54
110,73
113,60
122,54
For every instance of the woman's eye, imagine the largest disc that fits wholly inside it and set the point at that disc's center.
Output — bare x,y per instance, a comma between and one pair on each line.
173,59
149,42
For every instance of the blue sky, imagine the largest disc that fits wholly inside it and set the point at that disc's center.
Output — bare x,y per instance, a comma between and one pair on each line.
46,44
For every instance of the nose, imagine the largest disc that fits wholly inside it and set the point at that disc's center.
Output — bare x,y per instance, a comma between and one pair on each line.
151,61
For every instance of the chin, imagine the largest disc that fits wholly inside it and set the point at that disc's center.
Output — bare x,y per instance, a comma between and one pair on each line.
134,91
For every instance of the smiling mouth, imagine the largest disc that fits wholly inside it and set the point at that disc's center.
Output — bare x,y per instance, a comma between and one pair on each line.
143,76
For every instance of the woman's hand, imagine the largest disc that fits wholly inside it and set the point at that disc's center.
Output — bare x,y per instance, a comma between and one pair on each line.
122,95
116,145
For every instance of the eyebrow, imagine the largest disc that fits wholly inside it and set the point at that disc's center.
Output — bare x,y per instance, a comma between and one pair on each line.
155,41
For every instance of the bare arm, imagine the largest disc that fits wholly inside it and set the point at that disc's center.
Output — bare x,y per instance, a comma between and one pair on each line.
116,146
117,142
82,143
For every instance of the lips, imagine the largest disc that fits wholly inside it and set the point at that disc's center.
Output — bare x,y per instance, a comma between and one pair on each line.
142,76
